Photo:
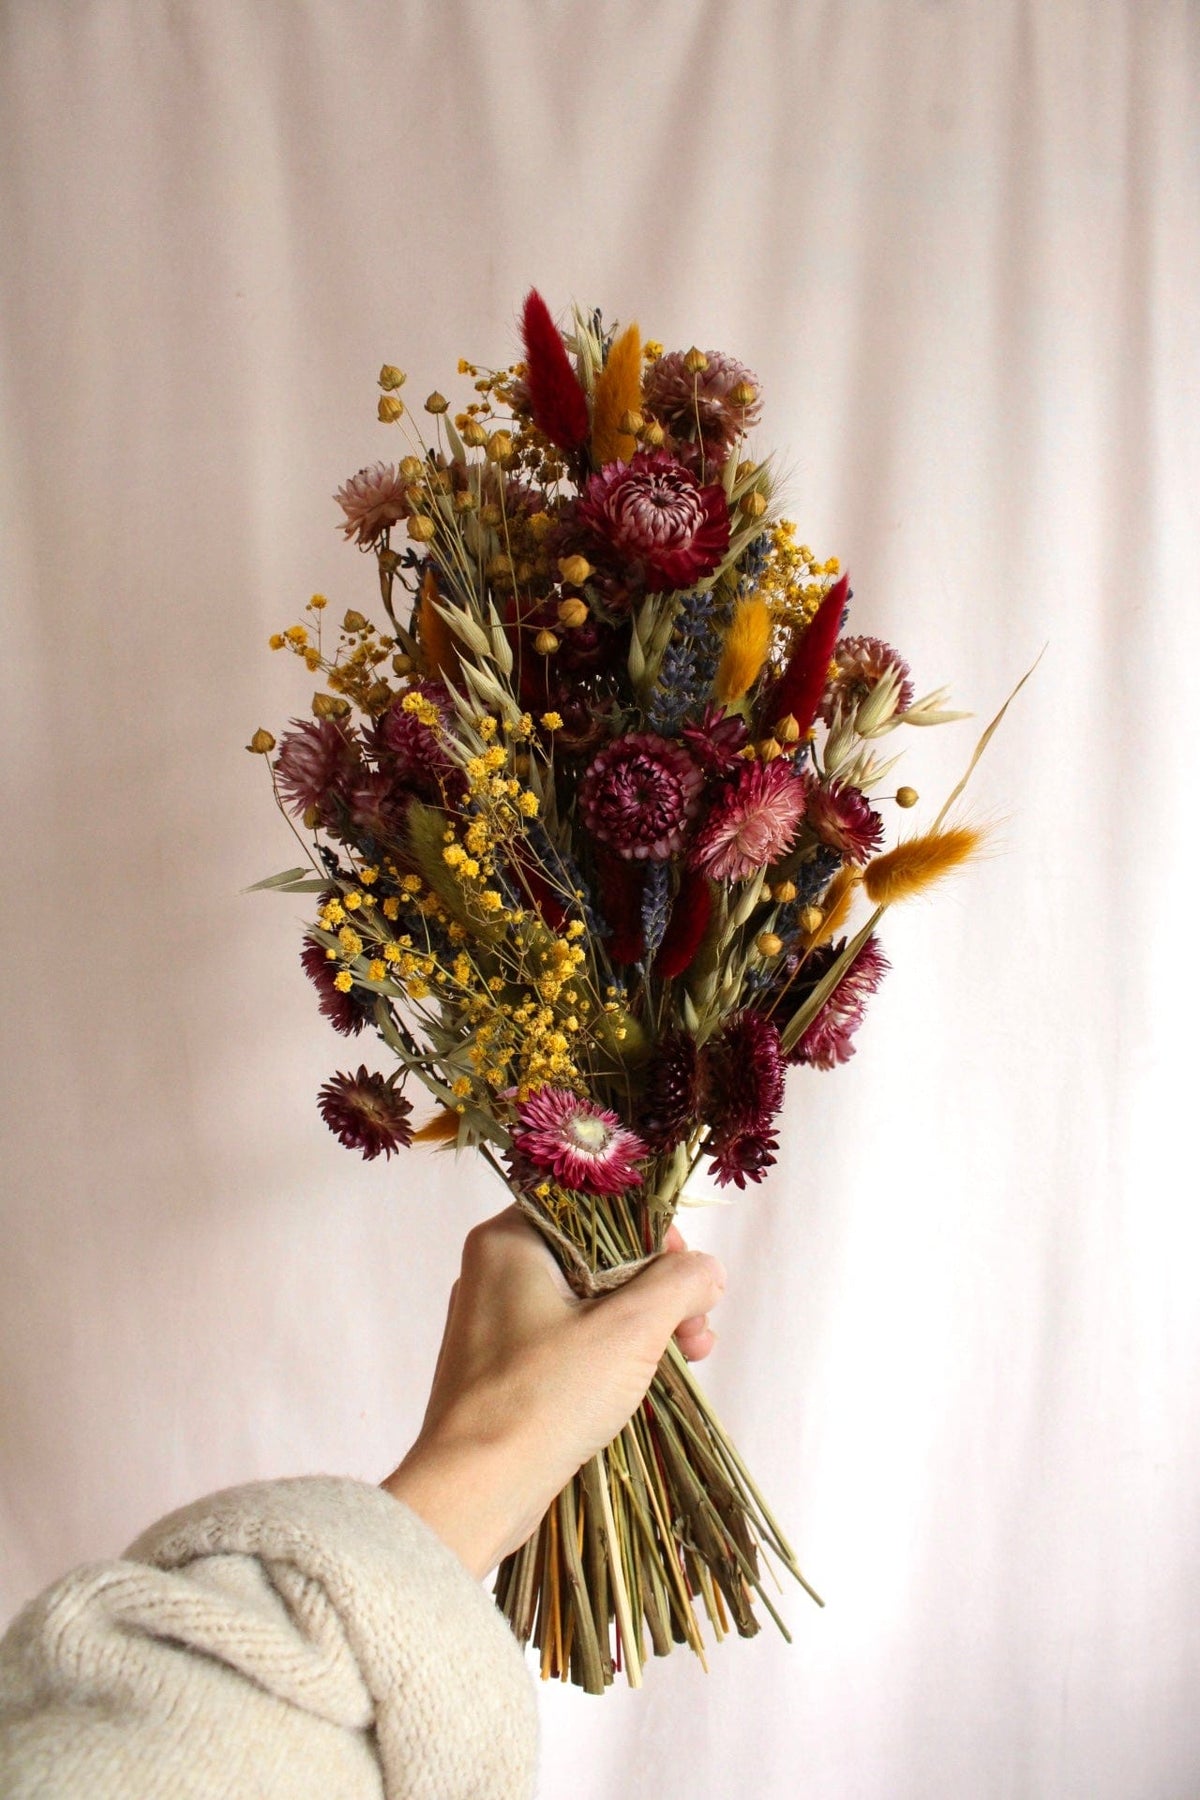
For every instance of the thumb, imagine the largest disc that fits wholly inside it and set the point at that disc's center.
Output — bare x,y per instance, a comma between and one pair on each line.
678,1285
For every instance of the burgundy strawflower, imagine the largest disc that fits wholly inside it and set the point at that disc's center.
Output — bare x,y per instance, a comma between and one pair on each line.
671,1098
698,410
317,762
577,1142
829,1038
842,818
752,820
639,796
413,754
347,1013
373,500
744,1075
366,1113
655,515
716,740
743,1157
862,663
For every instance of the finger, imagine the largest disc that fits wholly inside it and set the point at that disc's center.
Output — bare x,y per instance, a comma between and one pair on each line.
685,1284
674,1239
696,1345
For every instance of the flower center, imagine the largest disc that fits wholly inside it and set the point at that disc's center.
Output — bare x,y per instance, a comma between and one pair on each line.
590,1134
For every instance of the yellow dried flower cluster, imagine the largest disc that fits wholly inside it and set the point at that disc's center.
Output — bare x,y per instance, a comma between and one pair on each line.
793,582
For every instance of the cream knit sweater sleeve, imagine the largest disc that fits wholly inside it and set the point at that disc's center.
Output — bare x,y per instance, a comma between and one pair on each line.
291,1640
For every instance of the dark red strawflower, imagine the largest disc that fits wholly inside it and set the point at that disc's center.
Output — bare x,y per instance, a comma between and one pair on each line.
347,1013
639,796
657,517
686,926
365,1112
744,1075
829,1039
413,755
317,762
744,1157
671,1099
716,740
800,687
842,818
557,403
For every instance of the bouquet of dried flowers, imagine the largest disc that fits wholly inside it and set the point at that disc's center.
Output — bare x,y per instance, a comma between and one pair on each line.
590,819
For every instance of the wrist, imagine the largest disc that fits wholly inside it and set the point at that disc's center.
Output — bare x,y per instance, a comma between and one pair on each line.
471,1493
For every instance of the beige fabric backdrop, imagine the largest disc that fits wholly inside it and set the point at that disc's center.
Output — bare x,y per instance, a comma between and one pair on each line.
958,243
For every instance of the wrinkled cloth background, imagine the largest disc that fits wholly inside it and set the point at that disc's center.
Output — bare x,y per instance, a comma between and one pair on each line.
958,245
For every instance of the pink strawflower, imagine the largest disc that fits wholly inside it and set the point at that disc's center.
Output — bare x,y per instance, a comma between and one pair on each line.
697,410
639,796
373,500
751,822
842,818
829,1039
670,529
365,1112
582,1146
317,763
347,1013
862,663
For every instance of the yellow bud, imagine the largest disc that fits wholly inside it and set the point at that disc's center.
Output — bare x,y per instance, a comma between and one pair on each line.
500,565
748,753
695,361
769,749
390,409
390,377
411,468
490,514
379,696
329,706
421,529
465,501
403,665
500,447
745,470
788,729
261,743
474,434
744,394
545,643
572,613
631,422
811,918
652,433
277,640
907,796
784,892
437,403
574,569
354,621
540,523
312,818
768,944
753,505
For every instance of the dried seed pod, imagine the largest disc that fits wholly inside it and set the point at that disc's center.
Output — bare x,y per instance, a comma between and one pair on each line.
390,408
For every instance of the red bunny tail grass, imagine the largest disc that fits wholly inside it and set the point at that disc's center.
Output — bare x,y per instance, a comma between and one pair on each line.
799,689
686,927
557,403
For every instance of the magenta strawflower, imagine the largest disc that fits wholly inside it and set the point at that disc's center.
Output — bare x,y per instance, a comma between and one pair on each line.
744,1075
698,410
373,500
842,818
662,524
752,821
318,761
829,1039
347,1013
413,754
742,1157
670,1108
584,1147
716,740
365,1112
862,662
639,796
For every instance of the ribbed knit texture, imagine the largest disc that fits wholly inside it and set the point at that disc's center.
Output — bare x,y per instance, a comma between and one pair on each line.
290,1640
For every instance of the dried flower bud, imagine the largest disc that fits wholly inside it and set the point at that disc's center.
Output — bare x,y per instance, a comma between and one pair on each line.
753,505
261,743
572,613
907,796
545,643
540,524
354,621
811,919
403,665
768,943
695,361
631,422
500,447
389,560
437,403
769,749
490,514
465,501
390,377
412,468
652,434
574,569
500,564
522,763
379,696
783,893
390,409
525,571
421,529
329,706
788,729
745,470
474,434
748,752
743,394
312,818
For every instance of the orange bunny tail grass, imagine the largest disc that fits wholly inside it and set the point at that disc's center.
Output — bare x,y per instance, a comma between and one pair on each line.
441,1129
435,636
839,898
915,865
746,645
618,391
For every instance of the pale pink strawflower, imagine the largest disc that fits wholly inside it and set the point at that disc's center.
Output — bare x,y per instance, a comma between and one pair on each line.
752,821
373,501
698,409
862,662
842,818
576,1142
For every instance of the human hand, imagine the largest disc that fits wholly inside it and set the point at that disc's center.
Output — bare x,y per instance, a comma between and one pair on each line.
531,1381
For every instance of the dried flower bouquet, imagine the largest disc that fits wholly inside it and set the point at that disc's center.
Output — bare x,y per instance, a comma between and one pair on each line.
589,821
